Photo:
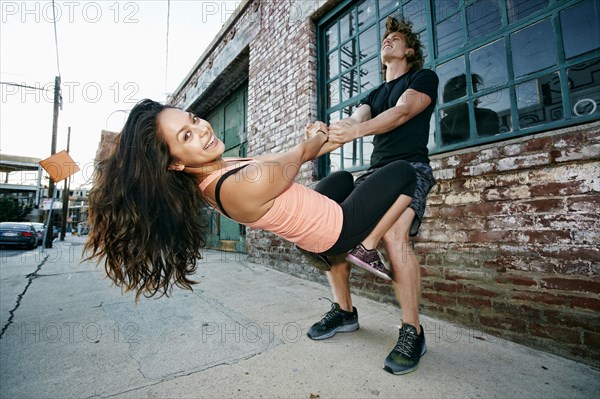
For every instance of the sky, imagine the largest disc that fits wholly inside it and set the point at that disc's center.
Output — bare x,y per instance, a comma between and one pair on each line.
111,54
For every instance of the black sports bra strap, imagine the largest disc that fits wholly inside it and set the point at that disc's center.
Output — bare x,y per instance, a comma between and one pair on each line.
218,187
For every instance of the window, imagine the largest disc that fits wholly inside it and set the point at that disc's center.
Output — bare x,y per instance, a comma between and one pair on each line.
506,67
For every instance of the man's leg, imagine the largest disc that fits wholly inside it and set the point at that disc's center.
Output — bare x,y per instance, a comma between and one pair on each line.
407,352
407,272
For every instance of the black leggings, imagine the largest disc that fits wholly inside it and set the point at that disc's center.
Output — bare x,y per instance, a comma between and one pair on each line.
365,205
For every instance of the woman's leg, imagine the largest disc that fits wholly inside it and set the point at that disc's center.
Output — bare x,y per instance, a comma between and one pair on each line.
374,205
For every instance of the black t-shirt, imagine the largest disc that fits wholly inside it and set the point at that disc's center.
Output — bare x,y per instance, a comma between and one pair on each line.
407,142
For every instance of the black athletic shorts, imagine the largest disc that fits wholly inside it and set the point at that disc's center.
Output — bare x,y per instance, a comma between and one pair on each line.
424,184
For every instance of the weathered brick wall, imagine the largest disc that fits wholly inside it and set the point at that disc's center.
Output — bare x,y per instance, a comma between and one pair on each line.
282,90
510,242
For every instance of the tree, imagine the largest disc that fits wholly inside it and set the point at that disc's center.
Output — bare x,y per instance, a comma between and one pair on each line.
11,210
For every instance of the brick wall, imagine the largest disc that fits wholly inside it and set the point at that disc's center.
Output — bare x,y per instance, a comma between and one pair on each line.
509,243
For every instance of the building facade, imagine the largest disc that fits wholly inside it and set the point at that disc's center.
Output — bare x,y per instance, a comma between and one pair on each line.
509,244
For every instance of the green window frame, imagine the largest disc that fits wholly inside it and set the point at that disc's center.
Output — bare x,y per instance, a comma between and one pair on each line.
534,65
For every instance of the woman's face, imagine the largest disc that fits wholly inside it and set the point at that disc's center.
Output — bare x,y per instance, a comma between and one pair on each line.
191,140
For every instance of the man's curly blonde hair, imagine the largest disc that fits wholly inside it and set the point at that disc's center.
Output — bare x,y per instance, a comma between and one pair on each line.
403,26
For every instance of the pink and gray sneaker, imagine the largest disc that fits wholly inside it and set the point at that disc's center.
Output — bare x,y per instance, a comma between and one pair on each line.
370,260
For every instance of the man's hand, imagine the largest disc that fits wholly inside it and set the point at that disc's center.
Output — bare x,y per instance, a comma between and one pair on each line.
344,131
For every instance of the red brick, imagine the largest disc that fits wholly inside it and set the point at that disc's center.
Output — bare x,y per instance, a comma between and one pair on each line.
586,303
541,144
556,333
536,206
478,291
587,320
438,299
448,287
545,237
517,310
548,189
539,297
587,204
490,236
582,284
474,302
516,280
591,339
503,323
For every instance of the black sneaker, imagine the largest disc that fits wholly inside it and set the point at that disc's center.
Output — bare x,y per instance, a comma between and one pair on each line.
370,260
334,321
319,261
405,356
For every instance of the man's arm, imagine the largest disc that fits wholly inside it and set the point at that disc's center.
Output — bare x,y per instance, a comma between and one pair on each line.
410,104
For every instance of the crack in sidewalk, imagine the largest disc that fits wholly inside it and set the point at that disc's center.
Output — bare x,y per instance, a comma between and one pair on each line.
30,277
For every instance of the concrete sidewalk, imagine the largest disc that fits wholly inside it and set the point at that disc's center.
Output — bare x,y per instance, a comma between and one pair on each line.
241,333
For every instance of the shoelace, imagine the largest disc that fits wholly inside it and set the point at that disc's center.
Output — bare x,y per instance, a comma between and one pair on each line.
407,344
331,315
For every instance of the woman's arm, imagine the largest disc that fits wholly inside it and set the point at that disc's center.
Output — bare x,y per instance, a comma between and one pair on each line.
248,195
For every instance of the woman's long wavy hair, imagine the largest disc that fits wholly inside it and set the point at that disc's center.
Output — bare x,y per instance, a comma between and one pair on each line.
146,224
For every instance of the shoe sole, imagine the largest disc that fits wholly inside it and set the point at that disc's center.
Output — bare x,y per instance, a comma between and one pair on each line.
355,261
406,371
347,328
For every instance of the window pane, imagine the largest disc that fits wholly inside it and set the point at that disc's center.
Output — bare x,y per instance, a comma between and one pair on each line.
444,8
483,17
332,65
349,85
492,114
351,155
347,25
370,75
333,93
348,52
368,43
518,9
581,28
454,124
387,6
449,74
335,155
539,101
584,88
489,63
533,48
367,145
366,13
331,37
415,11
449,35
424,38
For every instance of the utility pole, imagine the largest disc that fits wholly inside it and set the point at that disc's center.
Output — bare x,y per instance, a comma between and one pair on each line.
65,203
51,187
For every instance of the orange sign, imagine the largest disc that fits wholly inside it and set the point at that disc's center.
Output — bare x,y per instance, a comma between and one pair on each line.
60,166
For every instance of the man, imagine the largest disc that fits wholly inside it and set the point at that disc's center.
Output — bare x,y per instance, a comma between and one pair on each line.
398,114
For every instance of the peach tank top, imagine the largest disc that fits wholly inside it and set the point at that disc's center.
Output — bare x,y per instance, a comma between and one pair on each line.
300,215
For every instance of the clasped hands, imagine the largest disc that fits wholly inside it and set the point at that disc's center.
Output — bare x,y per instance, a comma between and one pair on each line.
339,132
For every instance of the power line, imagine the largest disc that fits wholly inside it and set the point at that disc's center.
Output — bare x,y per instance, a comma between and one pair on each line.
25,86
167,51
55,36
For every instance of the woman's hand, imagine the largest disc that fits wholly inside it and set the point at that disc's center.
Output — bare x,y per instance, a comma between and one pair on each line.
344,131
313,129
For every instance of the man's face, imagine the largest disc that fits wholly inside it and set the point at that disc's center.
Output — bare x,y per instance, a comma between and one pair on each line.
394,47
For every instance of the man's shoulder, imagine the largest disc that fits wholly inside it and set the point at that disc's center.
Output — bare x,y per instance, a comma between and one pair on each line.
425,73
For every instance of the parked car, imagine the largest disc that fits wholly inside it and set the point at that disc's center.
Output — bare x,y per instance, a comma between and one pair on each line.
41,229
18,234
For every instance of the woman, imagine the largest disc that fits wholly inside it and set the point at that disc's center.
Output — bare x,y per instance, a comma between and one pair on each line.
146,200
